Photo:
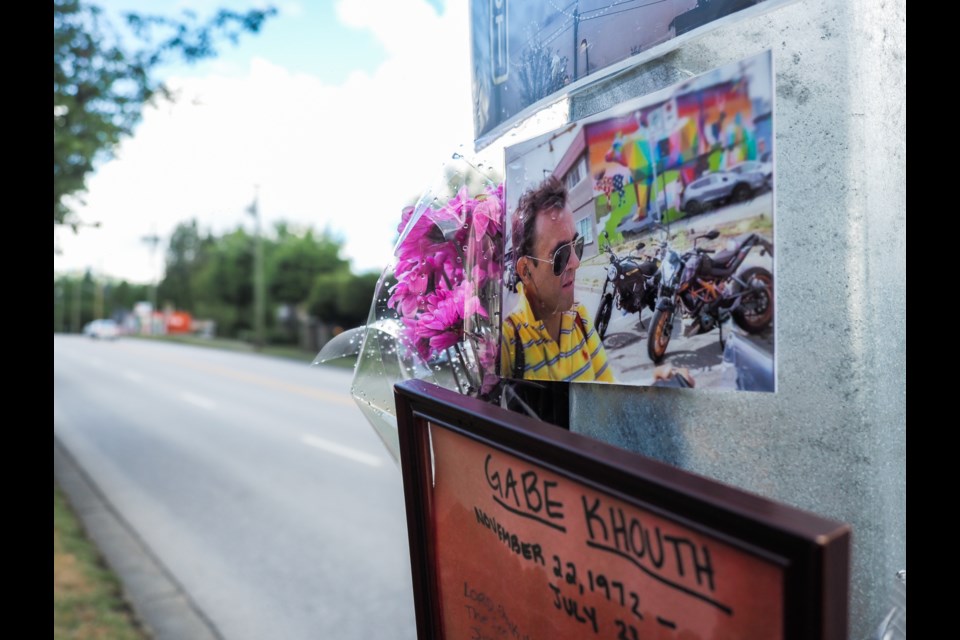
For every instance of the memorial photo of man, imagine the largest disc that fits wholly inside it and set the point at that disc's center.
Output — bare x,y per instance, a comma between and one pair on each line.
549,335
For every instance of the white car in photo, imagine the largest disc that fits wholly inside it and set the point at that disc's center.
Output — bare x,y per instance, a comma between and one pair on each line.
764,169
720,188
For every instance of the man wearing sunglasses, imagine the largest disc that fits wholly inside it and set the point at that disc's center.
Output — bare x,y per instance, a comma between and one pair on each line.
549,336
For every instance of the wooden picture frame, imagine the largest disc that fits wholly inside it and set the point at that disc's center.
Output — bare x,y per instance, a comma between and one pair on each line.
519,529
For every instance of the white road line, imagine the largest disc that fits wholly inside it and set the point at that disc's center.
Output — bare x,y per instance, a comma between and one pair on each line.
133,375
342,451
199,401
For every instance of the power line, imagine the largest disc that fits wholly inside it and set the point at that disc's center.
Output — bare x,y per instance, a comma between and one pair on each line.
545,41
564,10
556,34
590,15
605,11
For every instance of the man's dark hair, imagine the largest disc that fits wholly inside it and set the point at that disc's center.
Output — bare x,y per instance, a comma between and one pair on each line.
551,194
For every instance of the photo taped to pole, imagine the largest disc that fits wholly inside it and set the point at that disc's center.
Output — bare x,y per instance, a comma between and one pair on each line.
670,199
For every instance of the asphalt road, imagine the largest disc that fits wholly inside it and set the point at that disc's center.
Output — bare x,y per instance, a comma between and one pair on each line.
255,481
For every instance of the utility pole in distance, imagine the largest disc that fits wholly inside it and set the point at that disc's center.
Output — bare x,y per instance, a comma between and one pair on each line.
152,241
78,303
258,281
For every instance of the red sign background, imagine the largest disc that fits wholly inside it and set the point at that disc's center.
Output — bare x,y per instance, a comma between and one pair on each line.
524,553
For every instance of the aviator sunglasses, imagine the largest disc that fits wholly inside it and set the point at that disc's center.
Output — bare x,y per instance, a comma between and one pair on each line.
561,257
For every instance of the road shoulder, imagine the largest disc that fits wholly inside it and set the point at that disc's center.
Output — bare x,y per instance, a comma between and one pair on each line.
160,603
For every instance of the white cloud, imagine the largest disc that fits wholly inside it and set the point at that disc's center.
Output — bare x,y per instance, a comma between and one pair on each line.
347,156
403,27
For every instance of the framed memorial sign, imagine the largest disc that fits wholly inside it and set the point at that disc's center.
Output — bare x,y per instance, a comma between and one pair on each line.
521,530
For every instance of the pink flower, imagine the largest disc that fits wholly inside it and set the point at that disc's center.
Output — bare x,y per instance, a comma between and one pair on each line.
444,340
442,322
495,192
408,336
444,311
485,271
404,299
441,266
490,381
419,239
486,218
471,303
488,352
455,205
405,216
453,218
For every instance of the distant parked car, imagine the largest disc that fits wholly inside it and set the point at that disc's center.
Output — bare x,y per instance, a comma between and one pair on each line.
764,169
104,328
718,188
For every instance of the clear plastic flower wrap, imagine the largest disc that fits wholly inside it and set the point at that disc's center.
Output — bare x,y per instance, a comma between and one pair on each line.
435,315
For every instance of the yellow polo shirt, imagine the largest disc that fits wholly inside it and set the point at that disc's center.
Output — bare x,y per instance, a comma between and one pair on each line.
580,356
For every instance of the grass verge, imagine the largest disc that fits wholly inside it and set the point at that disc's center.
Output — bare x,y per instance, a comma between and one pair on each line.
87,604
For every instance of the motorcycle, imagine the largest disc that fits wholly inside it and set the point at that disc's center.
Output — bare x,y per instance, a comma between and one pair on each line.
702,284
631,285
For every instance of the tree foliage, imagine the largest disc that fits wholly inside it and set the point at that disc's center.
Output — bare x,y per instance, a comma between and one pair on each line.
101,83
296,261
541,72
103,77
342,298
211,277
186,255
79,299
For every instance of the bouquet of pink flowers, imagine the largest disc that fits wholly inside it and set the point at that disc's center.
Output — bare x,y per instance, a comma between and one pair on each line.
435,314
448,271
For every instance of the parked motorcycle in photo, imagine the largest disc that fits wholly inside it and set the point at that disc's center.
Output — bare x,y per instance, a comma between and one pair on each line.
703,285
631,285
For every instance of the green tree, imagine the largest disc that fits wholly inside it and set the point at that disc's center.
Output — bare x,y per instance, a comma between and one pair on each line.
186,255
79,299
125,295
297,260
342,298
541,72
224,284
322,301
73,302
101,83
60,291
353,300
212,278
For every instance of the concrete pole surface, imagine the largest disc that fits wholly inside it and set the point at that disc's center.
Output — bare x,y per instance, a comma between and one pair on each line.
832,438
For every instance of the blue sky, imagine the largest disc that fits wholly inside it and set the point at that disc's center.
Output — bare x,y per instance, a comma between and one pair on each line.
337,114
304,37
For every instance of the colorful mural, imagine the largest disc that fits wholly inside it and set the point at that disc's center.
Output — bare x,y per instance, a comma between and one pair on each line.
641,162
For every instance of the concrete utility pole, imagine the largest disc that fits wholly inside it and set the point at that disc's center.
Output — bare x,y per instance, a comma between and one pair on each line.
98,298
59,303
152,241
259,304
78,301
576,54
